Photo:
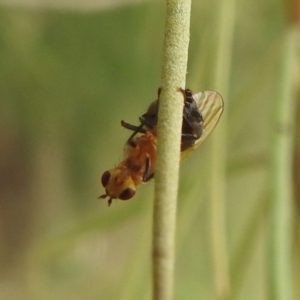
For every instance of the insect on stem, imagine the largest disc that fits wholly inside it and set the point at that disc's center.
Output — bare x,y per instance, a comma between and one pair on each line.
201,113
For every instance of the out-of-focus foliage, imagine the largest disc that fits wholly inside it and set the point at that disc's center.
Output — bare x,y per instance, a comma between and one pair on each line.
67,79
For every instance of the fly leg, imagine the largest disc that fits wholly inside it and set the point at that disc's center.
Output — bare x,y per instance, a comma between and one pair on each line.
187,95
193,122
145,122
135,129
146,176
188,137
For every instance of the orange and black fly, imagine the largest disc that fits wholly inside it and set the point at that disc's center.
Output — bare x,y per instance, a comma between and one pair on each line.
201,113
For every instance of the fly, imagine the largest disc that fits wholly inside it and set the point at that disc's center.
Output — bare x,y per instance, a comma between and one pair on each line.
201,113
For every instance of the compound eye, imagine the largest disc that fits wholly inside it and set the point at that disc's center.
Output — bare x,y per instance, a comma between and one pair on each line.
105,178
127,194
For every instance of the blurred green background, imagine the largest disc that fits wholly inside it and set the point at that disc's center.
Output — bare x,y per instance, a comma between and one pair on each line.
68,76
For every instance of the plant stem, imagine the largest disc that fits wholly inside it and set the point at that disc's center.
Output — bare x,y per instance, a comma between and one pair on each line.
218,179
174,66
281,206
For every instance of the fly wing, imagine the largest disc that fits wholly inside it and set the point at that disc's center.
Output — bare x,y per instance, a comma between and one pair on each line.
211,105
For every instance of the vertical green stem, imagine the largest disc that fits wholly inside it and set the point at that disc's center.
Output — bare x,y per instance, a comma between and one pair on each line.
218,180
174,66
281,206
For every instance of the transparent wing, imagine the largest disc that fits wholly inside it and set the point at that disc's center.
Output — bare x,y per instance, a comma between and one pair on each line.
211,105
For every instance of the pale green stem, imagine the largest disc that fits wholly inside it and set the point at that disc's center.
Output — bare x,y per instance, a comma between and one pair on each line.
218,180
282,200
174,66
